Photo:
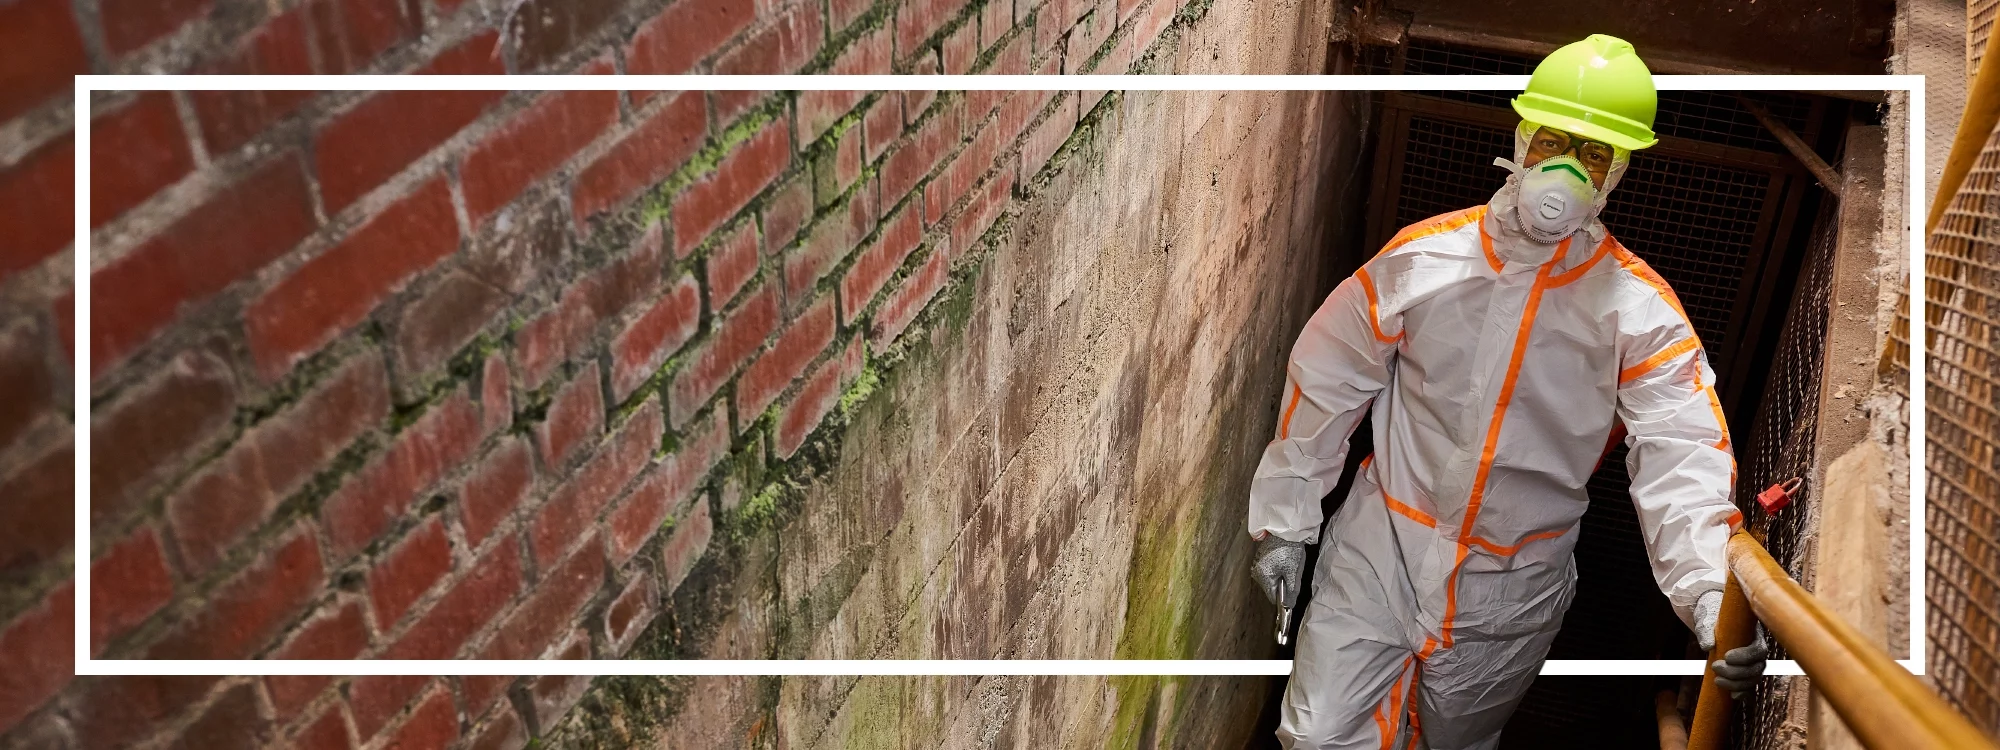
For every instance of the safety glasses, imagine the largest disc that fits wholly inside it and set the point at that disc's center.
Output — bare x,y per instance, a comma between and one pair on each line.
1548,143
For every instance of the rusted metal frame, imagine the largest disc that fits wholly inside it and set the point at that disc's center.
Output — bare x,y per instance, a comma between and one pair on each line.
1975,126
1877,699
1734,627
1390,138
1479,114
1673,736
1829,179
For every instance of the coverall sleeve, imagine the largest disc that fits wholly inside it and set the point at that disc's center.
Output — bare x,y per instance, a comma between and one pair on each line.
1340,362
1682,469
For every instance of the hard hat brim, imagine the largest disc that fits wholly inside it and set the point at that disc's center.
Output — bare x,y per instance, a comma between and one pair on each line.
1595,125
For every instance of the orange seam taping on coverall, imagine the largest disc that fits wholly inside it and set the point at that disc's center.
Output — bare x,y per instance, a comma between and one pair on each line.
1493,440
1438,224
1410,706
1486,244
1509,551
1386,721
1677,349
1409,512
1285,428
1577,272
1374,317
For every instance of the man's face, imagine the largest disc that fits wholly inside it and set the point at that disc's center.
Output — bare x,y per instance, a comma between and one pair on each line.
1548,143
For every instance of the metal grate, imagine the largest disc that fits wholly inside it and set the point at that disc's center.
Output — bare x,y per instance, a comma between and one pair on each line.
1962,440
1978,24
1779,445
1694,115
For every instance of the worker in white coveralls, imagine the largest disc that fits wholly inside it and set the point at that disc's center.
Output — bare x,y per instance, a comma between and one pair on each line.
1496,349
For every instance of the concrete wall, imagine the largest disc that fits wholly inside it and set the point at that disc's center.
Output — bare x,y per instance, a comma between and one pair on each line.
1051,466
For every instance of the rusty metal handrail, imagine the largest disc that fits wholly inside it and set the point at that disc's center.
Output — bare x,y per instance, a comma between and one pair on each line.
1882,704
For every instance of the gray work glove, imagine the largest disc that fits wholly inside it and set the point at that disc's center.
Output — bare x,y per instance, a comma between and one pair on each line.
1279,561
1739,669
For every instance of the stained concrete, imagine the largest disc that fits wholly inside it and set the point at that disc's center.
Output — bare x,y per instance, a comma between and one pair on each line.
1056,467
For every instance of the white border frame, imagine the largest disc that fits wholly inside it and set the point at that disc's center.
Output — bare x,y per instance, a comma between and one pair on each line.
85,84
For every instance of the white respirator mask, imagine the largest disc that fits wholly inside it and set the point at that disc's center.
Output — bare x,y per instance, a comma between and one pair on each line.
1555,198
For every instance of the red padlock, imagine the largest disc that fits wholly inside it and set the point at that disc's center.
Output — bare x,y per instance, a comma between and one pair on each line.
1778,496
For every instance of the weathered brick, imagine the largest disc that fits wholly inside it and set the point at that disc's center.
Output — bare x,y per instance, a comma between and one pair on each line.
821,391
909,299
545,31
799,344
915,103
551,696
41,185
408,570
44,49
954,183
657,334
1046,138
236,232
734,339
818,110
496,394
783,47
790,207
914,159
36,653
169,416
882,125
471,602
240,616
127,585
640,514
339,631
138,149
480,692
960,49
376,700
113,712
629,614
732,264
900,235
369,502
710,201
37,519
830,240
575,416
328,732
230,722
25,377
495,488
917,20
685,33
574,507
434,723
502,732
836,171
602,295
531,144
845,12
1155,20
1010,59
996,18
987,203
131,24
547,612
520,244
230,119
366,145
685,547
341,286
232,496
436,325
643,157
350,34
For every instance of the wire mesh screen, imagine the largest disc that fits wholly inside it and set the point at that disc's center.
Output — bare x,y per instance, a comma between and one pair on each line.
1779,445
1978,24
1962,441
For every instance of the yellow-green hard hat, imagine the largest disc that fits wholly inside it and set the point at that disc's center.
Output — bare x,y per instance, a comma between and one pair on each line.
1597,88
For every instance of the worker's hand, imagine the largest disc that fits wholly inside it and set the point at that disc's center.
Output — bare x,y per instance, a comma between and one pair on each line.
1279,561
1739,669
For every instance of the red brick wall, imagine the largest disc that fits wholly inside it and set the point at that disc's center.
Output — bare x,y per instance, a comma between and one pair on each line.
444,374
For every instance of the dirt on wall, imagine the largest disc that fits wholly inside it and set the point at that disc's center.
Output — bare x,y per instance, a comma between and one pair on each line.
1051,466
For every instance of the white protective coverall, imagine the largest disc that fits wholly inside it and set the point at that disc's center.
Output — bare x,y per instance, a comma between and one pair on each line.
1495,370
